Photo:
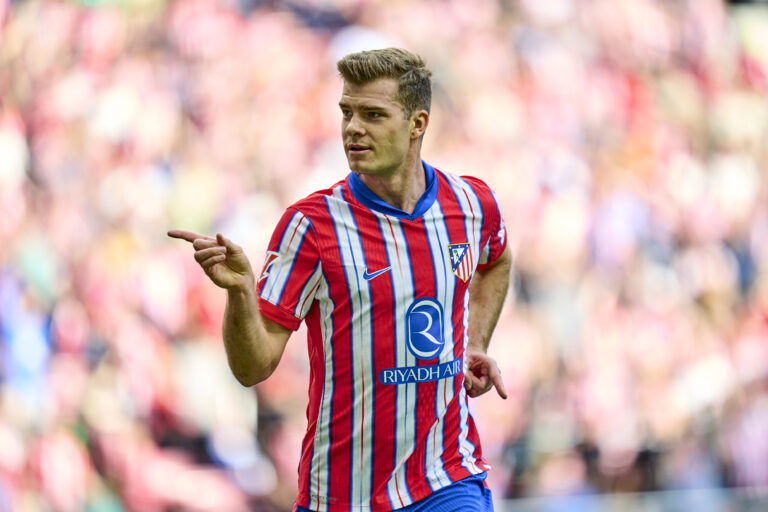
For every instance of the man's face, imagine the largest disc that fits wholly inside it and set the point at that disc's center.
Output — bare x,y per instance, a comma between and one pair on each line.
374,128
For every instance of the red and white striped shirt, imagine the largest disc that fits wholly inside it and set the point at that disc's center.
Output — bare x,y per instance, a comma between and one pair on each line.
385,298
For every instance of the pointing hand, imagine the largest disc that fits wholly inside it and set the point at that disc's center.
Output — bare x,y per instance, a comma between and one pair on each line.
482,374
223,261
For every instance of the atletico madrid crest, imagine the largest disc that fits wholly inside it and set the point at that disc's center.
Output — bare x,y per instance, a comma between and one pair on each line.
461,260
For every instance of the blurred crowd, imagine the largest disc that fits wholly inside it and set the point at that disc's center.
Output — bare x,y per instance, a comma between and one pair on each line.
627,141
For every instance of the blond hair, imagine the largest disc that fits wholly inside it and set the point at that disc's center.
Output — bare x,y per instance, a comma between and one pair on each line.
414,89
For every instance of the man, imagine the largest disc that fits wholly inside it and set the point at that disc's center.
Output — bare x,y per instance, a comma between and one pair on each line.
379,266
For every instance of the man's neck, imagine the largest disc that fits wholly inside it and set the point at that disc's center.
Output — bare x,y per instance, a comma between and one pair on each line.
401,189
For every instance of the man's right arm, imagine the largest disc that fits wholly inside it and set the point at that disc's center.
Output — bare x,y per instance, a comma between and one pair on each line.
254,344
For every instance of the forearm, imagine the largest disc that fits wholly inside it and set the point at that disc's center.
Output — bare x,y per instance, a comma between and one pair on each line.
252,354
486,298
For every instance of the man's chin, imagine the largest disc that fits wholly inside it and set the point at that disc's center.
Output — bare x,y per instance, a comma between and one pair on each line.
358,167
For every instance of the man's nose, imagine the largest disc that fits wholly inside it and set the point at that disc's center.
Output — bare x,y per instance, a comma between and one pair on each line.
354,126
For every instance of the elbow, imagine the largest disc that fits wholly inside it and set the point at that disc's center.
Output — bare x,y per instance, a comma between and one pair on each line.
247,380
249,377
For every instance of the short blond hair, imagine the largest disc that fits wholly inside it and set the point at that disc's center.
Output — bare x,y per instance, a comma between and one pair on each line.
414,89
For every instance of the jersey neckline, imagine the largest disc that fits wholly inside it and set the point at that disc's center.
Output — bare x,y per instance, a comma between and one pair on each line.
366,196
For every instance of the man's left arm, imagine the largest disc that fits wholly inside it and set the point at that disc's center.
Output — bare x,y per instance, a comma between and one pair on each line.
487,292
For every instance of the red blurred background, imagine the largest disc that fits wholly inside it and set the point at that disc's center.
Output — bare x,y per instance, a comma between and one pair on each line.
627,141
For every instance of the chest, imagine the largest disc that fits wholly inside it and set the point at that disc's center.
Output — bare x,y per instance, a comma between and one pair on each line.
395,261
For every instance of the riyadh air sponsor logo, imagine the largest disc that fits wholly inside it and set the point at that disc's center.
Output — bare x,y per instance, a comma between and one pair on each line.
425,340
461,260
270,260
424,328
416,374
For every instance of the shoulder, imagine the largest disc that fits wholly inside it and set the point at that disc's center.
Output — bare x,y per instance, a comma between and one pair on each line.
314,206
479,186
471,185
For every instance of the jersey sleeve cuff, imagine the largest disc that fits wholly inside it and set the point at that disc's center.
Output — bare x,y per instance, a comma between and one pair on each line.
278,315
483,266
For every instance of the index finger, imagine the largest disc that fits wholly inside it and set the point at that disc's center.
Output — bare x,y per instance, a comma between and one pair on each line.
189,236
495,376
499,384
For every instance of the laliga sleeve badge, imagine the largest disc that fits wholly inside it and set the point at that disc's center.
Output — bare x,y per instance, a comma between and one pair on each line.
270,260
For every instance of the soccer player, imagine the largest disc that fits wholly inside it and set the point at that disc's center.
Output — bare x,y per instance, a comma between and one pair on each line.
399,271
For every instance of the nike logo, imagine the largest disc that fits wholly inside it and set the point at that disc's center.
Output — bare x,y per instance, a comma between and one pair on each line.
370,276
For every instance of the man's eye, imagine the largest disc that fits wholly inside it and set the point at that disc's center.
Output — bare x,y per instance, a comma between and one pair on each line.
374,115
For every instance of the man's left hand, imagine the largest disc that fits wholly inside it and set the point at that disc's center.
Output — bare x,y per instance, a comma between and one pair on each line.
482,374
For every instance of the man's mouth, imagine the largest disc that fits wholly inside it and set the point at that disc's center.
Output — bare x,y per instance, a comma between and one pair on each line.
357,149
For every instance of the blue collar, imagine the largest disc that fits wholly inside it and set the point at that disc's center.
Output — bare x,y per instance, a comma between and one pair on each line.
363,194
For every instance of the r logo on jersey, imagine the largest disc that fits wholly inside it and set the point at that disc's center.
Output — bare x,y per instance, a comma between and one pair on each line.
424,328
461,260
270,260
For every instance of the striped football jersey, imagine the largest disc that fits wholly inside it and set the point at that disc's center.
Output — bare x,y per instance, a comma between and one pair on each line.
385,298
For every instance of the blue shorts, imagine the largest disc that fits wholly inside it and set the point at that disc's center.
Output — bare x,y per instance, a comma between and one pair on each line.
467,494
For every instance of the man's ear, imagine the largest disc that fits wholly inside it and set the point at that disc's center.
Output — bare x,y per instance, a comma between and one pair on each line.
419,122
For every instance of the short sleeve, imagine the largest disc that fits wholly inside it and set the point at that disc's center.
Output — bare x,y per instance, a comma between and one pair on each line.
291,272
497,241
